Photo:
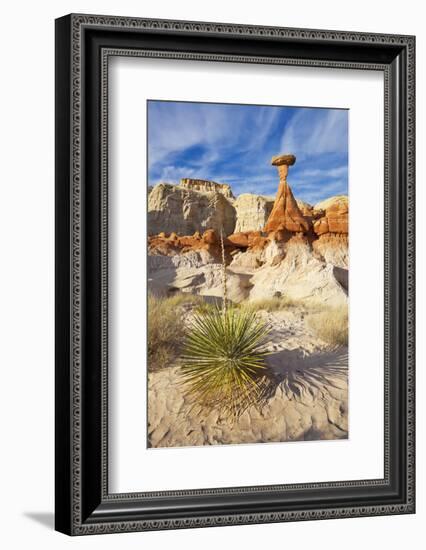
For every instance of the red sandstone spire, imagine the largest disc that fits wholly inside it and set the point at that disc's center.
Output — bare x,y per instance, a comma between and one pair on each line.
285,212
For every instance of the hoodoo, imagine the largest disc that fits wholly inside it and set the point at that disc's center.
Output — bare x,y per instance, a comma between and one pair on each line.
285,213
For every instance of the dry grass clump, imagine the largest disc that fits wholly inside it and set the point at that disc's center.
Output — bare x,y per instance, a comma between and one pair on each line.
273,304
165,328
331,325
183,298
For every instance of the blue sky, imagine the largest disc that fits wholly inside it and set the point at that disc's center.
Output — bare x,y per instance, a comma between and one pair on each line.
234,144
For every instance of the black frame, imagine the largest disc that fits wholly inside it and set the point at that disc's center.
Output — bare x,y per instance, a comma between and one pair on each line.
83,46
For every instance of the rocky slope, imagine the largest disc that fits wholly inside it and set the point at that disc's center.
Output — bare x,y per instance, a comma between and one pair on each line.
292,269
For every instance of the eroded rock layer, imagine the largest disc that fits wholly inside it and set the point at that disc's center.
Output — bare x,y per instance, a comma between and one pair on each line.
172,208
252,212
335,218
206,186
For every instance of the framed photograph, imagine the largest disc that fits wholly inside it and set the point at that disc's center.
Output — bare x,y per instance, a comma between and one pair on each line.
234,274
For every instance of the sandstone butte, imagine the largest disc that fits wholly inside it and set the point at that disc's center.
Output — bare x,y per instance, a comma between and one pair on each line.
288,216
207,186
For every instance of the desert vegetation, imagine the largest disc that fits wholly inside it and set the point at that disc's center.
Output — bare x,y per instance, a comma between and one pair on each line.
277,303
165,327
331,325
223,359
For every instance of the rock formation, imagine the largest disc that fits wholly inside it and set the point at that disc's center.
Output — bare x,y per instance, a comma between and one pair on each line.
197,272
283,247
323,205
171,244
197,205
336,218
252,212
174,208
293,271
285,214
332,248
206,186
258,267
305,208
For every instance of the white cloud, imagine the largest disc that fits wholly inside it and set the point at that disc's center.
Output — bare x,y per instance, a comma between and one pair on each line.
174,127
316,131
237,142
171,133
324,173
173,174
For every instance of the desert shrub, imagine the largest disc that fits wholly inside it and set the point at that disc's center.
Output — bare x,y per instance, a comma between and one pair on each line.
331,325
223,359
165,328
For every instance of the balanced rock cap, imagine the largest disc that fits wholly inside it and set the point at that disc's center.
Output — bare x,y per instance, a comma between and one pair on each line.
279,160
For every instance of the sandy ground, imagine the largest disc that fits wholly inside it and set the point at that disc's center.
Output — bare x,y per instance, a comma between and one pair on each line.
307,397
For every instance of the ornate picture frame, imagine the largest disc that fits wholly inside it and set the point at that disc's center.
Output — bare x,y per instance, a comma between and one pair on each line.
84,45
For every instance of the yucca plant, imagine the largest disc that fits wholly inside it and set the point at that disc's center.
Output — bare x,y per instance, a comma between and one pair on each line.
223,357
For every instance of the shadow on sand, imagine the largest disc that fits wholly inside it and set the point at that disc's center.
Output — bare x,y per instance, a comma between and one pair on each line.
305,376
